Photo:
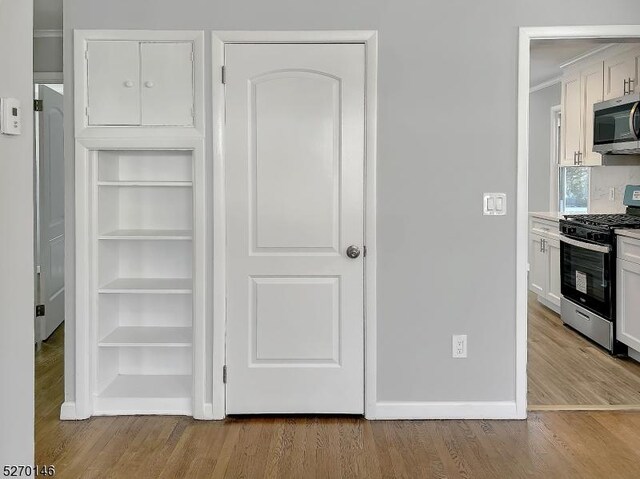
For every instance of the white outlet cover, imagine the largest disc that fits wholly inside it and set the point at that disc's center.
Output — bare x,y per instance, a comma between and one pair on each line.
459,346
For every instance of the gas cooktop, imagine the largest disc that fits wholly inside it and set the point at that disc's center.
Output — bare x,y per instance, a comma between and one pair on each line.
606,220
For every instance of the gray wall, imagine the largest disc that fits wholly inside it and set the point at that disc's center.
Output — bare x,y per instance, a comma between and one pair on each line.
447,132
540,103
16,240
47,54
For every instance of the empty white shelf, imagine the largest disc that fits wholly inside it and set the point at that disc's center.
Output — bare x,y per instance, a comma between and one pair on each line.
149,386
148,286
145,183
147,235
145,394
148,336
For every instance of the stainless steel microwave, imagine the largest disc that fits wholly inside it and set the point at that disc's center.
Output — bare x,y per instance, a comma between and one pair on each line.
616,126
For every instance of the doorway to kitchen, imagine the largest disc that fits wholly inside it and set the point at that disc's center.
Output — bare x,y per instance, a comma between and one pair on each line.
575,340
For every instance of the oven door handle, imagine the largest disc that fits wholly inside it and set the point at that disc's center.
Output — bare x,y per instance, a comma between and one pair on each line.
589,246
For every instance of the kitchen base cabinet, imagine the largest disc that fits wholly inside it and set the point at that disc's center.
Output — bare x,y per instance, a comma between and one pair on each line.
627,294
544,262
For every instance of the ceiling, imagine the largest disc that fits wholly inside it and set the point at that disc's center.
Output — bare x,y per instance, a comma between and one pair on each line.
47,15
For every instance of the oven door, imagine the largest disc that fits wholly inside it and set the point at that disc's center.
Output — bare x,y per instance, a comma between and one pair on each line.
586,274
616,125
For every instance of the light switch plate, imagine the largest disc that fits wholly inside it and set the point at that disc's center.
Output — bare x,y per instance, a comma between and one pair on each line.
494,204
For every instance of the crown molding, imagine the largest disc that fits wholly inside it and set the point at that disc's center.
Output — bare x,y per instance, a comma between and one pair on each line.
545,84
588,54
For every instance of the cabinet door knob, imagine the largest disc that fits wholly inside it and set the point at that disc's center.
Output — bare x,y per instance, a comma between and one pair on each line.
128,83
149,84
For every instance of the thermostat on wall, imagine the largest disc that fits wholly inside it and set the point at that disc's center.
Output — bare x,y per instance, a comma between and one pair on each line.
10,116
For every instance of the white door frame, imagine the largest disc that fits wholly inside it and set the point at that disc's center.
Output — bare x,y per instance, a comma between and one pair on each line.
526,35
218,40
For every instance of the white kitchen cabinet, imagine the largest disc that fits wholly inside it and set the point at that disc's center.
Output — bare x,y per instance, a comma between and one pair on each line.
581,88
621,74
627,297
571,119
544,261
138,83
591,80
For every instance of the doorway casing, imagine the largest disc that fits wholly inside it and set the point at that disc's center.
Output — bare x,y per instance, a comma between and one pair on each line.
527,34
218,41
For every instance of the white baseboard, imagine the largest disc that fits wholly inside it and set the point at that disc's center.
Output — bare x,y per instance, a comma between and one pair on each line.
633,354
446,410
68,411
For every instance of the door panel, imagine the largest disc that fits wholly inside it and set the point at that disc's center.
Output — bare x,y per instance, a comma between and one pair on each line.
628,304
571,119
616,71
538,269
592,86
167,83
113,83
554,293
294,165
51,220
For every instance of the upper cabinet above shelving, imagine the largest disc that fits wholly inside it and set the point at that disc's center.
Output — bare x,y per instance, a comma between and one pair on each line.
138,83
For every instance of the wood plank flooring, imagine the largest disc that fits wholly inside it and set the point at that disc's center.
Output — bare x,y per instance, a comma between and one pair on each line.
548,445
564,368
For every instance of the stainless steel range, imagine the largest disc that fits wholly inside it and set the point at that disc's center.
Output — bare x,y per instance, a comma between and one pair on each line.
588,270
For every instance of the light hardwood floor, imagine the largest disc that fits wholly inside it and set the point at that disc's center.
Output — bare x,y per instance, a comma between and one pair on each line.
548,445
565,368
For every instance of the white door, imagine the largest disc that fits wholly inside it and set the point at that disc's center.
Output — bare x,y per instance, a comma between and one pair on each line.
538,267
591,84
294,163
113,83
51,210
167,83
571,118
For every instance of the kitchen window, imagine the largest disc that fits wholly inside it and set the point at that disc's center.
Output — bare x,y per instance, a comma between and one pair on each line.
569,184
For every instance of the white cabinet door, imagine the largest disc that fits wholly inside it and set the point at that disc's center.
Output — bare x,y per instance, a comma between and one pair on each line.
617,71
167,83
571,119
295,156
552,250
538,266
113,79
628,304
591,80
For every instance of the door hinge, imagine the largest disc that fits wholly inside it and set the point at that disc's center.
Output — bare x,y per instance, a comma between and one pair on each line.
38,105
224,374
86,112
364,251
224,77
39,310
86,54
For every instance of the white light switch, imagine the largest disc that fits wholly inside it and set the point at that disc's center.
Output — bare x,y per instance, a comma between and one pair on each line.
494,204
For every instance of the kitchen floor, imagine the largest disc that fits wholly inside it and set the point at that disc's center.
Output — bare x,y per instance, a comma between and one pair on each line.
566,369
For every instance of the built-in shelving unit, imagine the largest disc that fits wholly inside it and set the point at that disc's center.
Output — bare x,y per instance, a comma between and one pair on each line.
143,247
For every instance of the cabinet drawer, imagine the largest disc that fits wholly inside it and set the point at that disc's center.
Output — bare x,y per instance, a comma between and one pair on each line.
629,249
548,229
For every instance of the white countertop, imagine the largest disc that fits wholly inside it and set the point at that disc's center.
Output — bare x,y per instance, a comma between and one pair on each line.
547,215
630,233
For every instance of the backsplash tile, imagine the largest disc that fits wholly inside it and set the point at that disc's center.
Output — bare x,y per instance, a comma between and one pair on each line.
605,177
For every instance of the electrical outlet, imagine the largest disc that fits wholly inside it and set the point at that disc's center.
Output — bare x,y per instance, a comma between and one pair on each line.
459,346
612,194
